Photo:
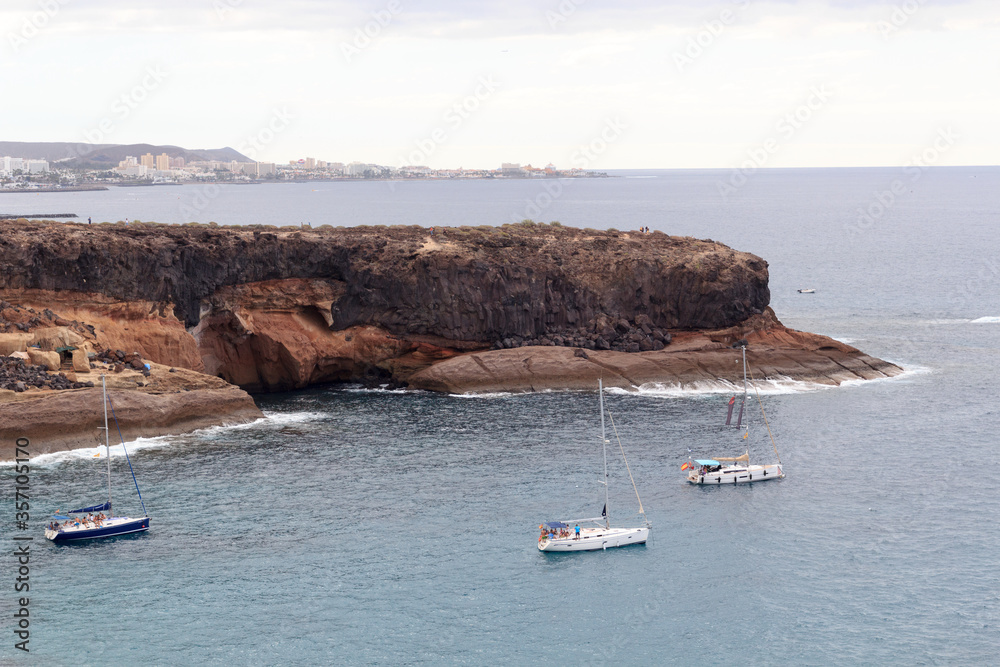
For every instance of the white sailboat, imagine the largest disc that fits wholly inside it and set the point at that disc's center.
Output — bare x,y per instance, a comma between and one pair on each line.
738,469
596,533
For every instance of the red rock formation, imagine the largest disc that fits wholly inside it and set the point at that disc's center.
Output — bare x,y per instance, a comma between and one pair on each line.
164,402
692,358
57,421
272,310
151,329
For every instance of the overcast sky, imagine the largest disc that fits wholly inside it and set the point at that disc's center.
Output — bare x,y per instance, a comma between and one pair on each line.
588,83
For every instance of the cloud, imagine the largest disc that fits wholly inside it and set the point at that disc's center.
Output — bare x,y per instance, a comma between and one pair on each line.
230,62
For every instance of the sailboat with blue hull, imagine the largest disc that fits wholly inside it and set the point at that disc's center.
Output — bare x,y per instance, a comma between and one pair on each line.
88,523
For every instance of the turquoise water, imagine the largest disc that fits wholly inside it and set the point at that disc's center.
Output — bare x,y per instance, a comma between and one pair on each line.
377,527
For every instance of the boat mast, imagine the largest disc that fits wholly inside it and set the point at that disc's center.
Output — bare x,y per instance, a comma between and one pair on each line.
744,348
107,446
604,447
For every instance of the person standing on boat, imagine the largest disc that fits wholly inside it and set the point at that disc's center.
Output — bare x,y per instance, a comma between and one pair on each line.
577,531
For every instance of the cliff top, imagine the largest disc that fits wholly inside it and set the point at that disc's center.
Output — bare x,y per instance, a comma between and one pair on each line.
414,238
462,283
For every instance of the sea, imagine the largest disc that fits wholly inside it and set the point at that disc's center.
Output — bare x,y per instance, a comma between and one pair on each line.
380,527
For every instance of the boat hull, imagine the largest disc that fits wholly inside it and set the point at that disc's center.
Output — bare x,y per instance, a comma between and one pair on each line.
595,539
737,475
119,525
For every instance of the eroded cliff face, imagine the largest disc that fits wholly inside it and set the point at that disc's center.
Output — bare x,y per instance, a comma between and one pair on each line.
273,310
163,401
276,309
96,321
461,284
530,284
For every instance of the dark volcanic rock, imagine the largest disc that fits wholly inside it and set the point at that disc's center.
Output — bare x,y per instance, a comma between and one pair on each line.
470,284
274,310
17,375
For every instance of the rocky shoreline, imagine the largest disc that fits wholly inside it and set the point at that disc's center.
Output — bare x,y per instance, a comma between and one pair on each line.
523,307
693,360
165,401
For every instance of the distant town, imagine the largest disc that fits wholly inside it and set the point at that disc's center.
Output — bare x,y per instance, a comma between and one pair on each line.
18,173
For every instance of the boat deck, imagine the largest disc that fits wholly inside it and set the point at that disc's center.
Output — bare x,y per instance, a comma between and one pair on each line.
592,539
738,474
85,530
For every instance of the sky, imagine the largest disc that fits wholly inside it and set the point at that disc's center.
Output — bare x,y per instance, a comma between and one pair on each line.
577,83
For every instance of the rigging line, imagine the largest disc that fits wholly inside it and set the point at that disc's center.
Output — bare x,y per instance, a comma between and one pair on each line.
617,437
122,438
757,393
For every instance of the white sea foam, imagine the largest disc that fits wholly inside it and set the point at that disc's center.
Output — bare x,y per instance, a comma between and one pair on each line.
488,394
84,453
909,372
779,385
277,419
945,321
383,389
986,320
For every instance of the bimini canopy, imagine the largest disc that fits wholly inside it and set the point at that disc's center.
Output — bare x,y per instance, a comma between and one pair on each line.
557,524
93,508
707,462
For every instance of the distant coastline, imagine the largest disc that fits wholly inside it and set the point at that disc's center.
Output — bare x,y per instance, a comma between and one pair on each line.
36,216
66,188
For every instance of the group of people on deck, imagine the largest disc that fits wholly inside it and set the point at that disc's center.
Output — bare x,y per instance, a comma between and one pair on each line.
555,533
89,521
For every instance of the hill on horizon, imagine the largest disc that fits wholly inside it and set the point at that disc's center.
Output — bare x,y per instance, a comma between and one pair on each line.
107,156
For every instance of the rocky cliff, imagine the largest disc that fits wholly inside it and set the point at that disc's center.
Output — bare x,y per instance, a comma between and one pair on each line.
155,402
276,309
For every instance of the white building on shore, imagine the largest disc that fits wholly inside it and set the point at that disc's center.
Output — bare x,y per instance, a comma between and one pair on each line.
8,165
